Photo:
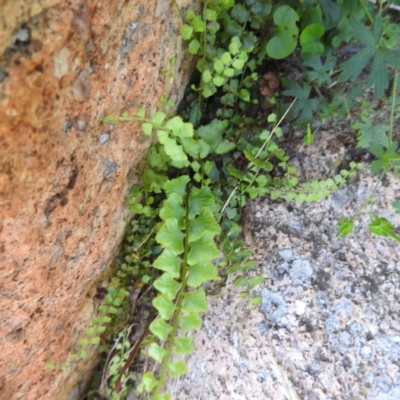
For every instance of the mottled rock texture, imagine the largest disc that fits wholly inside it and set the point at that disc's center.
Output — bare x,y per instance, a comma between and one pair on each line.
63,174
328,326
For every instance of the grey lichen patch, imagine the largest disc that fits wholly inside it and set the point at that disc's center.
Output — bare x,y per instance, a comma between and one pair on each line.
104,138
273,305
109,167
301,273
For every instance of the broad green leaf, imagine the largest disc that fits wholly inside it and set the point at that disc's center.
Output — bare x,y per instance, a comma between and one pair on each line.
382,227
201,250
157,353
219,66
174,124
212,133
254,281
190,322
353,67
229,72
240,14
285,41
396,206
346,226
226,58
169,262
149,381
198,24
225,147
200,273
162,396
207,76
177,368
238,64
184,345
164,306
235,45
170,236
219,80
186,32
199,198
194,46
172,208
174,150
195,301
204,224
161,329
147,128
165,284
378,75
141,112
158,118
177,185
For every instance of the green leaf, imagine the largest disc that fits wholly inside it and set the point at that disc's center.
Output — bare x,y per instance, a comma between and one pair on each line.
219,80
240,14
174,124
172,208
238,64
235,45
229,72
224,147
157,353
194,46
164,306
259,163
226,58
186,32
204,225
199,198
396,206
219,66
254,281
346,226
353,67
141,112
382,227
207,76
195,301
161,329
147,128
169,262
165,284
158,118
184,345
177,185
200,273
201,250
190,322
285,41
177,368
212,133
170,236
198,24
148,379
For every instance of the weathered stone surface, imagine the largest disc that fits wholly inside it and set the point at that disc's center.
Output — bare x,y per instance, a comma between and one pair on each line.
63,174
328,324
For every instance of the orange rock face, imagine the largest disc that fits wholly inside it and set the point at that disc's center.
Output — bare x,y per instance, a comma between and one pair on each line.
64,175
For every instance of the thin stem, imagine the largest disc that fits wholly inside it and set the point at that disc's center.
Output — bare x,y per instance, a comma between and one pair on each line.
366,11
369,200
390,138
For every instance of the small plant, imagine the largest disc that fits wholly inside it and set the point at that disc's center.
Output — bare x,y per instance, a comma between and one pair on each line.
205,166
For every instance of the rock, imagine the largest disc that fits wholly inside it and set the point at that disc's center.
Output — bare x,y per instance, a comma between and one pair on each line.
64,175
329,322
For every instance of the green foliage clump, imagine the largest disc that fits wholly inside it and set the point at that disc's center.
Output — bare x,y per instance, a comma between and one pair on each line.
224,148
